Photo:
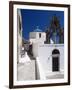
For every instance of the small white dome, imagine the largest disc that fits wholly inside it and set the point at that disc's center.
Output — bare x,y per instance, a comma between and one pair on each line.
37,29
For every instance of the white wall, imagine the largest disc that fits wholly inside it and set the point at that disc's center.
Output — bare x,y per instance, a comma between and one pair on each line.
4,45
19,18
45,56
34,37
35,49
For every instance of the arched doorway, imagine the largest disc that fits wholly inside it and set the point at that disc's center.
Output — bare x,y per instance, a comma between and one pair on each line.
55,60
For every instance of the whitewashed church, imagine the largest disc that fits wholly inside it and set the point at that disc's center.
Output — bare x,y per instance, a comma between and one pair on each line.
50,56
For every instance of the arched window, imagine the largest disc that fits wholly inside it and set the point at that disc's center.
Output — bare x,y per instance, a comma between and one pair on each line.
55,60
55,51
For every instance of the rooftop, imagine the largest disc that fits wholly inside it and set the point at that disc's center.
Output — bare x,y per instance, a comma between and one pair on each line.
37,29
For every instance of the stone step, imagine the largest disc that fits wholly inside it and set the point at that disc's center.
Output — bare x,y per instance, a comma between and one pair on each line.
57,76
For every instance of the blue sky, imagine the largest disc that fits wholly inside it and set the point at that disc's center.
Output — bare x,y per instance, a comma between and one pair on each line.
33,18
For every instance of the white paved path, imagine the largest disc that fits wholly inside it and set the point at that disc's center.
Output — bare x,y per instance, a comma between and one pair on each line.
26,71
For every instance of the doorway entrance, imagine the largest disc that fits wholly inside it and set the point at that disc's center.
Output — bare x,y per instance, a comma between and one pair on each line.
55,60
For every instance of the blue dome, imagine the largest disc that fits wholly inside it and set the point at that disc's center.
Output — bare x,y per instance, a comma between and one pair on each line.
37,29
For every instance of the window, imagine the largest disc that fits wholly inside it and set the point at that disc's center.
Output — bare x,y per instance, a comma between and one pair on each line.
39,35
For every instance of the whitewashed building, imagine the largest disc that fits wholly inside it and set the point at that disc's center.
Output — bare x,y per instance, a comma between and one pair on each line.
50,57
19,29
21,58
37,36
